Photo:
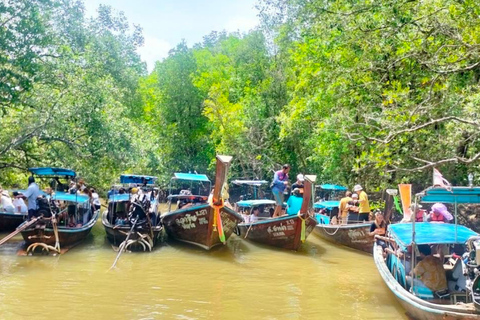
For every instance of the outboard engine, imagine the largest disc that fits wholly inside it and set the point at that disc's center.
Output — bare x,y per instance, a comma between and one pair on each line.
46,207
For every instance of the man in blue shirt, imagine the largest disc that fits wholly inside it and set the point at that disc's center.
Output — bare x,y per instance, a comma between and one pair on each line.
280,182
32,193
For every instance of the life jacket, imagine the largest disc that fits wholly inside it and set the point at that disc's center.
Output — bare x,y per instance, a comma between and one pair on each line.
439,218
419,216
381,227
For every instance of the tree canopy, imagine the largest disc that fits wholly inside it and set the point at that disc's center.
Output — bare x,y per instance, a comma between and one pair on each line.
370,92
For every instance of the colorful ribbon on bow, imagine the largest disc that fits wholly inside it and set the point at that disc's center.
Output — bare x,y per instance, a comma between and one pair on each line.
302,233
217,219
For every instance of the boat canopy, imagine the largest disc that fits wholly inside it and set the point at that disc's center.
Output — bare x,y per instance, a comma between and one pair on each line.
333,187
119,197
329,205
48,171
454,195
256,183
190,177
430,233
254,203
133,178
63,196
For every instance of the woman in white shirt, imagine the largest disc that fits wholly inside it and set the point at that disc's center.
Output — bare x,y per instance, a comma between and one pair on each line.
19,204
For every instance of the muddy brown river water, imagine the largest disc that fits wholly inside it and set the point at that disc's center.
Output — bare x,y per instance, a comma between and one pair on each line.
241,280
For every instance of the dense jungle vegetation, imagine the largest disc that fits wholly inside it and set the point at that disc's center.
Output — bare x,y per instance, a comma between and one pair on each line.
354,91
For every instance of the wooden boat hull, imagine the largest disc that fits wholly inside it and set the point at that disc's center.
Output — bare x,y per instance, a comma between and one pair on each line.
417,308
355,236
68,237
195,225
10,221
117,234
283,232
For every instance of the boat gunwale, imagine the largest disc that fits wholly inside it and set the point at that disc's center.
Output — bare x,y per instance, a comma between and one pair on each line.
201,206
270,220
63,229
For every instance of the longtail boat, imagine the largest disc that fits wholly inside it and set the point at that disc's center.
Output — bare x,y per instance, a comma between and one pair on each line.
124,208
287,232
461,262
53,232
10,221
354,235
198,221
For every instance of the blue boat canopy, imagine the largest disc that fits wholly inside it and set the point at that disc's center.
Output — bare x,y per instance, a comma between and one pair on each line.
332,187
254,203
119,197
133,178
430,233
455,195
256,183
329,205
190,177
63,196
48,171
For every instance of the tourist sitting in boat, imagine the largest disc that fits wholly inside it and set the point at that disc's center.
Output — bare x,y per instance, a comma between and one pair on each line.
299,184
294,202
439,214
429,272
6,201
254,214
379,227
19,204
353,207
72,188
343,208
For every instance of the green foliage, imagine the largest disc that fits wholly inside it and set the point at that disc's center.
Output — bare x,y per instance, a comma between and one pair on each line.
370,92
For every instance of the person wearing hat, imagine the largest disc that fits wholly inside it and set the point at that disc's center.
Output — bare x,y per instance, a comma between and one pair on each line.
6,201
299,184
364,208
279,184
294,202
439,214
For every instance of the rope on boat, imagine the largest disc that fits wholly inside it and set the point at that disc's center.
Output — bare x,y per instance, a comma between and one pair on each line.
302,233
330,234
248,230
45,247
217,219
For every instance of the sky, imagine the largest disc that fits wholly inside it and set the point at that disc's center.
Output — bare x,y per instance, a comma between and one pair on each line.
166,22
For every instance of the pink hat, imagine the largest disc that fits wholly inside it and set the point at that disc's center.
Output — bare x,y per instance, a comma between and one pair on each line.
442,209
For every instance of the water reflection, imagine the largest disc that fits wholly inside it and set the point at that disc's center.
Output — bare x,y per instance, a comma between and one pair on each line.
241,280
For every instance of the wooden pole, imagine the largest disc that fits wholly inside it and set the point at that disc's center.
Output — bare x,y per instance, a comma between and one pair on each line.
18,230
124,243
